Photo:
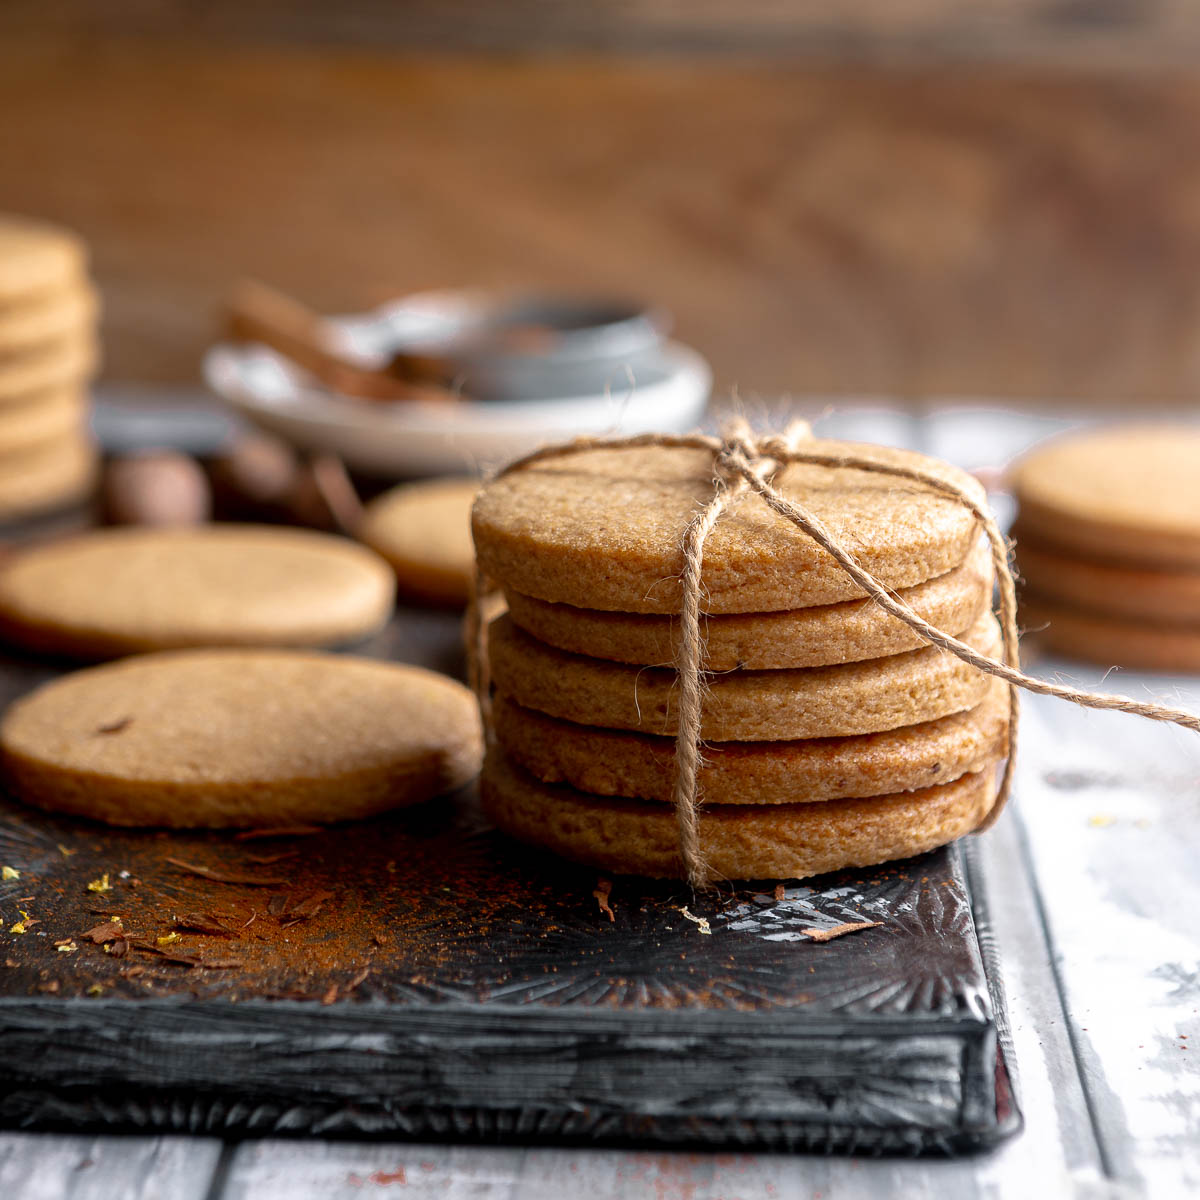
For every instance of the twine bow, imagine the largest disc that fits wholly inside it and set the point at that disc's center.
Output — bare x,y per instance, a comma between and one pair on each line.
743,463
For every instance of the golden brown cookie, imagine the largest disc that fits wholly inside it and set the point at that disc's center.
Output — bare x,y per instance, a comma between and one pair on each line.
240,737
66,362
1115,589
50,475
800,637
610,762
1111,641
1123,494
52,416
37,257
603,529
49,317
119,591
784,841
743,706
424,531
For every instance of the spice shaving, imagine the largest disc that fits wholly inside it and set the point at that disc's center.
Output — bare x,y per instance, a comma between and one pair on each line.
109,931
306,908
602,892
828,935
206,923
224,876
282,831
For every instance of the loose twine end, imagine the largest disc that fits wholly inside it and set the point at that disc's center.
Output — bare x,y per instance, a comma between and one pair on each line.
744,463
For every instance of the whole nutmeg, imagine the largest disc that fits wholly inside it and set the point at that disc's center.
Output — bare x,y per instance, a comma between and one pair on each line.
155,487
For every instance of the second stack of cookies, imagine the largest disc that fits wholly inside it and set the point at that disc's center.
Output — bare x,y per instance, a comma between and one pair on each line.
1108,545
833,736
48,353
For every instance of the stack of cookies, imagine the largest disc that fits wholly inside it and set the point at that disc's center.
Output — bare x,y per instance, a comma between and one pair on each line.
833,736
48,315
1108,545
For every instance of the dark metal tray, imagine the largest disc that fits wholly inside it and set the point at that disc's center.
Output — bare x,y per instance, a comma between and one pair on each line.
423,975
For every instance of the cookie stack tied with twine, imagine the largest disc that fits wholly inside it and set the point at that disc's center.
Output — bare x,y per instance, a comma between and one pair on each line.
48,353
733,553
833,735
1108,543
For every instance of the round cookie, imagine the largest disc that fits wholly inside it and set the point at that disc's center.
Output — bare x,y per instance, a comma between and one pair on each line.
65,362
788,841
47,318
800,637
424,531
742,706
119,591
1136,593
50,475
37,257
1123,494
240,738
609,762
1110,641
603,529
46,418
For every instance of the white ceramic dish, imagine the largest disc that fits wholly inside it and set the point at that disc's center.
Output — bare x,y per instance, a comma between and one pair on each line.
431,439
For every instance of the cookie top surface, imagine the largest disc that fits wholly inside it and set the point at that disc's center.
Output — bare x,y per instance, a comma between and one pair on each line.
215,717
603,529
35,257
1121,493
116,591
424,531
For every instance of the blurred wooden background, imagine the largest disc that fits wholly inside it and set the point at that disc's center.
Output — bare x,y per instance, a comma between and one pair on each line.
918,198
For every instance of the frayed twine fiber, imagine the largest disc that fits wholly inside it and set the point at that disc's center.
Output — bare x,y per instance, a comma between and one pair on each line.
744,462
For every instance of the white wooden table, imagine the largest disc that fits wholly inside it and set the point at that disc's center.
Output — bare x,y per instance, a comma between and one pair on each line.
1094,882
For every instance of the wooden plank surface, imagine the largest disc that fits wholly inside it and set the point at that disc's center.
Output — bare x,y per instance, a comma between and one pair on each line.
858,229
41,1166
1110,818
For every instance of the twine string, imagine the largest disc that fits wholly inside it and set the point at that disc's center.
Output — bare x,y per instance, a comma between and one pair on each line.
685,792
743,463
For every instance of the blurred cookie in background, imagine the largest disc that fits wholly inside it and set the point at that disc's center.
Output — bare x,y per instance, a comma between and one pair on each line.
424,531
112,592
49,313
1108,545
